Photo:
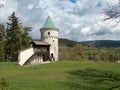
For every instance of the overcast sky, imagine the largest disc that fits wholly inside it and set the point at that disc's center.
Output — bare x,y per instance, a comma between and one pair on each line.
78,20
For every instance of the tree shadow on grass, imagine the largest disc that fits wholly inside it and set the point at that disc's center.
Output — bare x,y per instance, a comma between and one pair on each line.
92,79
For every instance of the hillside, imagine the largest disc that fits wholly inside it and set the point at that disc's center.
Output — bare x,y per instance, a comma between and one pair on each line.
67,42
69,75
97,43
103,43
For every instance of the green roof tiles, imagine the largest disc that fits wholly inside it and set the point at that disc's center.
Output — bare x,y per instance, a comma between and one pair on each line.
49,23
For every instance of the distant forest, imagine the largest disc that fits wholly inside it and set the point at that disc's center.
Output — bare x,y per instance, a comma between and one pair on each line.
102,50
96,43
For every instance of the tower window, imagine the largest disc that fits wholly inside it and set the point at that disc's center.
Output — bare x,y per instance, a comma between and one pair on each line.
48,33
53,40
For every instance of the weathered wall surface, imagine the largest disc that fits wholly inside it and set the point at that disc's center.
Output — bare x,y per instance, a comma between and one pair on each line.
51,37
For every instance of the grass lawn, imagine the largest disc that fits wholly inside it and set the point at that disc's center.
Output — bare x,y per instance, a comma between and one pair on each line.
61,76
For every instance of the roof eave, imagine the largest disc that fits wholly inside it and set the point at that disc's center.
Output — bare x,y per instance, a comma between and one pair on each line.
50,29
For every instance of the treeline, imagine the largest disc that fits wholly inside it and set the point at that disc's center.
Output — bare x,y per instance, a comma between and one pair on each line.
13,37
81,53
75,53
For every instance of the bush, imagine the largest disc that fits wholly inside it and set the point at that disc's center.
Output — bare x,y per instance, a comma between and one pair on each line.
4,84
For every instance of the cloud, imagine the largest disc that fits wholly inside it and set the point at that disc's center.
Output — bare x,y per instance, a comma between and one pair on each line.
86,31
10,6
77,20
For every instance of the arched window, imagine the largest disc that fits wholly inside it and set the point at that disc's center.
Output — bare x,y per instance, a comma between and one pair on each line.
48,33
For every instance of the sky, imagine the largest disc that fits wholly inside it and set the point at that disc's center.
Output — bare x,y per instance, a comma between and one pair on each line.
78,20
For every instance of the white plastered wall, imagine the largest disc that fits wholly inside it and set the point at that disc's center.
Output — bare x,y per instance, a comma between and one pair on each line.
25,55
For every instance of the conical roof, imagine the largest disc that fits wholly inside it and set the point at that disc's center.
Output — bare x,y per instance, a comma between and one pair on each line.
49,23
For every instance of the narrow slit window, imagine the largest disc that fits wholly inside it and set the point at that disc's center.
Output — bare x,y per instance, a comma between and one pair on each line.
48,33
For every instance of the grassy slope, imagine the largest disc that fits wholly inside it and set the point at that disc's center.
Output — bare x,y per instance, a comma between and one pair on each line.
62,76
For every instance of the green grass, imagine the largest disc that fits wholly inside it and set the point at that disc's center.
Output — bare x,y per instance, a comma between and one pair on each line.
62,76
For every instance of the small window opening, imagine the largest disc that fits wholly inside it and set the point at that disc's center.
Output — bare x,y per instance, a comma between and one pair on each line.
48,33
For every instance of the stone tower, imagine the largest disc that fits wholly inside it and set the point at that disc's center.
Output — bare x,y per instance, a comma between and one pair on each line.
49,34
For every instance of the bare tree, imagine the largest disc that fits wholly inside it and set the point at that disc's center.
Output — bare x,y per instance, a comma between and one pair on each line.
112,12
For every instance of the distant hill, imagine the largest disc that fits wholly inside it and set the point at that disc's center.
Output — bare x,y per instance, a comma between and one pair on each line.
97,43
102,43
67,42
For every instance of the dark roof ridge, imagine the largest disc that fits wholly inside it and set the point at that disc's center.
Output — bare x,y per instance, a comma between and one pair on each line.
40,42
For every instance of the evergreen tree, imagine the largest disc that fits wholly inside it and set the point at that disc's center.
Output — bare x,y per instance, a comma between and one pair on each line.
17,38
2,42
25,39
12,38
